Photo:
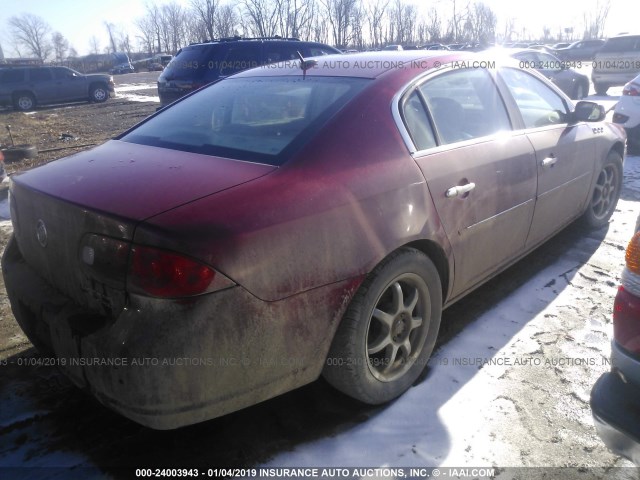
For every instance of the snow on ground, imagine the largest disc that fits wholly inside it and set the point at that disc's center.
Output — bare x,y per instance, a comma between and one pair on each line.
513,387
139,92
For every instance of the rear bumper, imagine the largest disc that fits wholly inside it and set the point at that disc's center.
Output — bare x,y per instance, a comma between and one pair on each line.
165,363
615,405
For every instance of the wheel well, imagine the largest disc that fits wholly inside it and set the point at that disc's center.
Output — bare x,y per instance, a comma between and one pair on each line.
97,84
439,259
22,92
619,148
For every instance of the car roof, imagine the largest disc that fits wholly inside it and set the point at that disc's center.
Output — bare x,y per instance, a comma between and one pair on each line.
361,65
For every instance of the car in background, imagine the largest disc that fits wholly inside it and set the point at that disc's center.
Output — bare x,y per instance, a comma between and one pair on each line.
556,46
583,50
122,68
574,84
627,113
331,209
615,397
202,63
616,63
27,87
155,67
393,48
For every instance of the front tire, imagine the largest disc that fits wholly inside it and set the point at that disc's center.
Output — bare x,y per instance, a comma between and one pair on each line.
388,332
606,192
99,94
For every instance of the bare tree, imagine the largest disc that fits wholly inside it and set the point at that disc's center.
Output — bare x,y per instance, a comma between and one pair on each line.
31,32
112,41
596,19
480,24
94,45
206,11
403,17
339,14
60,46
375,14
226,21
146,33
434,25
174,22
261,16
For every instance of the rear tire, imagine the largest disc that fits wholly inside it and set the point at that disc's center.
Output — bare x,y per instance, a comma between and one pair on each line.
19,152
388,332
605,193
601,88
24,101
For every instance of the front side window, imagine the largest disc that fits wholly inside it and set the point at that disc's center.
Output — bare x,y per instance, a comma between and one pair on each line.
539,104
465,104
255,119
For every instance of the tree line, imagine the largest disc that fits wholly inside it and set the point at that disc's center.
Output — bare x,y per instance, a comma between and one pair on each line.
358,24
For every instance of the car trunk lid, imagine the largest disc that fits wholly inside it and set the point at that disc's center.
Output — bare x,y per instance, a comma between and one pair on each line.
95,200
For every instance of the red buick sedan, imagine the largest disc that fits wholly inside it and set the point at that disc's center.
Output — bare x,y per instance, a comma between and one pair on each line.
297,220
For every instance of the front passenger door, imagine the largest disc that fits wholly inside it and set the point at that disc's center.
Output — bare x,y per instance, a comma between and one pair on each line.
565,154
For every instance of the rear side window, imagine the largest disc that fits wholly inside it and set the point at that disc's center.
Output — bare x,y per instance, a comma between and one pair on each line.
417,122
280,52
240,57
465,104
12,76
40,75
254,119
539,105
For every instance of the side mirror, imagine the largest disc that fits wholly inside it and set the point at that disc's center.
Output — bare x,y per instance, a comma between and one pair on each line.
588,112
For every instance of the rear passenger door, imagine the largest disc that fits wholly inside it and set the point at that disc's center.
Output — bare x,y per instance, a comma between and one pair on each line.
565,154
480,173
41,83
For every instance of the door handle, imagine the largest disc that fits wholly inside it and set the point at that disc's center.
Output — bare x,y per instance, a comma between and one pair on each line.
460,190
549,161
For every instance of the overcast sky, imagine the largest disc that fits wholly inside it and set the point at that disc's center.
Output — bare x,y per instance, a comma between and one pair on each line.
79,20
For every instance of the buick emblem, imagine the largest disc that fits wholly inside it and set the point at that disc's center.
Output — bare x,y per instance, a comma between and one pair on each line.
41,233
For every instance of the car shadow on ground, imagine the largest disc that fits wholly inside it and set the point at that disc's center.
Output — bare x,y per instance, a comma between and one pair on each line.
46,421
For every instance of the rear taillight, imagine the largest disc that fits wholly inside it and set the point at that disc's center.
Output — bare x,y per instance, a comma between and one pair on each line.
631,89
160,273
626,308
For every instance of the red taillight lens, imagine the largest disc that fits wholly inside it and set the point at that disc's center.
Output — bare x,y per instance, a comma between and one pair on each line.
626,320
159,273
631,89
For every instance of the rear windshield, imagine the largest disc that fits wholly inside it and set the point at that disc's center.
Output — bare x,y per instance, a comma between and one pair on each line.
622,44
255,119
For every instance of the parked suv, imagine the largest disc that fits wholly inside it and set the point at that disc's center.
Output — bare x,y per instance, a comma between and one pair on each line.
203,63
583,50
26,87
616,63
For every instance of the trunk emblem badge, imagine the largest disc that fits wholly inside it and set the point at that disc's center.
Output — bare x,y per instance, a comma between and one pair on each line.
41,233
